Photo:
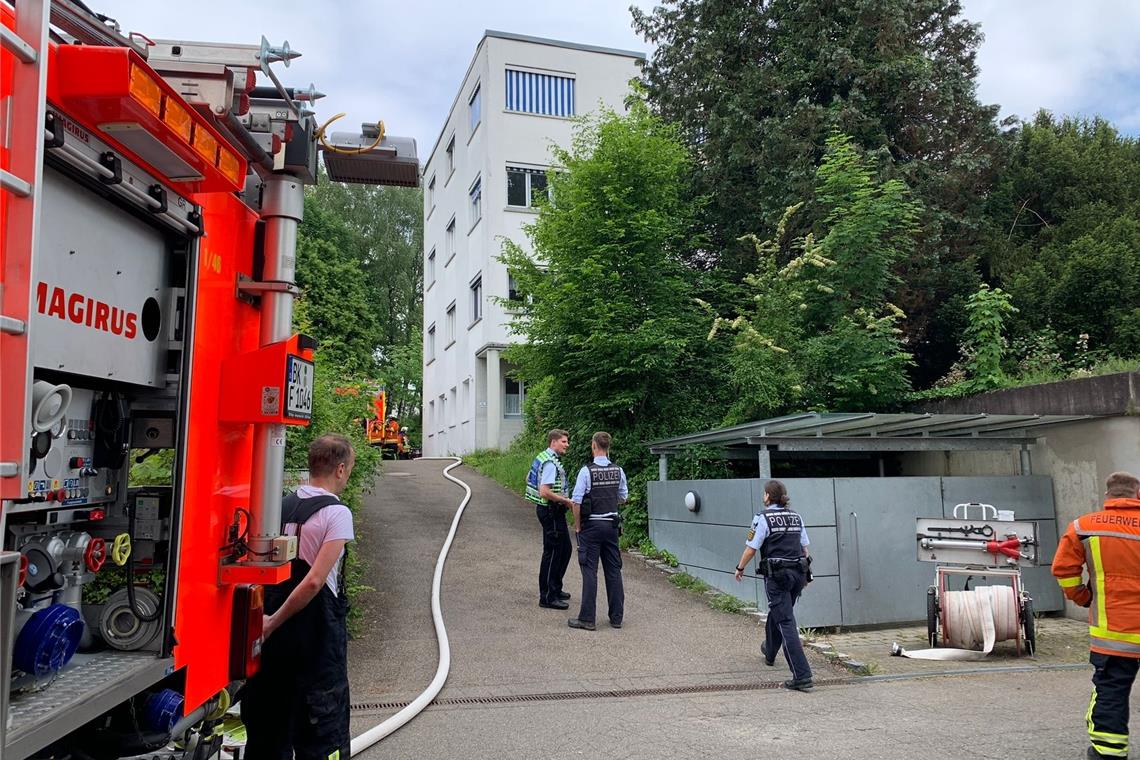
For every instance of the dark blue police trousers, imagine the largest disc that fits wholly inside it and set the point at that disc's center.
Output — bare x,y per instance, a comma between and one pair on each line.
599,540
783,588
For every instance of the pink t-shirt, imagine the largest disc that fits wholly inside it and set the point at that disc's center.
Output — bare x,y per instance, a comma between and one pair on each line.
331,523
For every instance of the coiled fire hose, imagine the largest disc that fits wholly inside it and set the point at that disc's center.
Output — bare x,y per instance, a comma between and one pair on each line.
379,731
973,622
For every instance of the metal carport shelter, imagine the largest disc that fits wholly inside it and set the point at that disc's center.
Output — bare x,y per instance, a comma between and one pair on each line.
862,528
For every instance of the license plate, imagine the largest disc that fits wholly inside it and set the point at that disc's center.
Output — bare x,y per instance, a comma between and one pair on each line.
298,388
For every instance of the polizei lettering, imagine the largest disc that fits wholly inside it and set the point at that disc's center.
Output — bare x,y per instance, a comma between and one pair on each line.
86,311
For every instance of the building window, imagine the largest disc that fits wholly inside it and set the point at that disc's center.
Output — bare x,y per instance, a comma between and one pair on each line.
431,343
542,94
429,275
450,239
477,300
475,107
451,417
525,187
513,399
476,196
451,156
442,412
514,295
431,194
451,324
430,416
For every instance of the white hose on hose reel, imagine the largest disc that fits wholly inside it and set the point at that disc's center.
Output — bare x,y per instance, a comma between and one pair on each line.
379,731
978,618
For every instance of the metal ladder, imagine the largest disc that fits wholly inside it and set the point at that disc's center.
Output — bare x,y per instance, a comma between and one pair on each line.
22,115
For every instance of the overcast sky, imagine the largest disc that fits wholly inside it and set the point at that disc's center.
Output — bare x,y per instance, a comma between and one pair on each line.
403,61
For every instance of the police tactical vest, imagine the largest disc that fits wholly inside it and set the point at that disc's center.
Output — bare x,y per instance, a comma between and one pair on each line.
602,498
783,539
535,473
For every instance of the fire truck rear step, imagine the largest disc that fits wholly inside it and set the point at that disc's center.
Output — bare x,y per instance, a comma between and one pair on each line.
79,694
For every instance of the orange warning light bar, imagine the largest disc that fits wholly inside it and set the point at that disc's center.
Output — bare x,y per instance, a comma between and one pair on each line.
145,90
114,91
178,118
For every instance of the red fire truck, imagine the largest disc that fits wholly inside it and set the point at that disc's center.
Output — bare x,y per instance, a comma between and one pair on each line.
151,196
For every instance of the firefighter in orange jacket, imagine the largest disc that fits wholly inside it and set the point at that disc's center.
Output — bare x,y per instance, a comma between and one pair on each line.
1107,543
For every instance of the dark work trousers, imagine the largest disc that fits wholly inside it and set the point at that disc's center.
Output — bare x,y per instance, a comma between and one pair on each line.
599,539
1107,716
556,550
783,588
297,704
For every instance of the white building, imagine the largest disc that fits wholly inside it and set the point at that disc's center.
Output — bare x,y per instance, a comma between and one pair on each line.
517,98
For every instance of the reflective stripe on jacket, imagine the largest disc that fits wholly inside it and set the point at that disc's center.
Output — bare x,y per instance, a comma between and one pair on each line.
532,477
1106,544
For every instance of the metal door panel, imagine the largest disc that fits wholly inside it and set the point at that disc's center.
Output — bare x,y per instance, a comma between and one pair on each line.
880,579
722,502
714,547
812,498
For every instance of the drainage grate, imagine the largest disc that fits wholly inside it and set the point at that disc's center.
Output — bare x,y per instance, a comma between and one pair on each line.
615,694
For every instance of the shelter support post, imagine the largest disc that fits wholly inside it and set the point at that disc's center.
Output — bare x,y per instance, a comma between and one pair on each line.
764,458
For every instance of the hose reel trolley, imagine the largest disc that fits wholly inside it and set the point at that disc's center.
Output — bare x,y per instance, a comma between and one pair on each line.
980,540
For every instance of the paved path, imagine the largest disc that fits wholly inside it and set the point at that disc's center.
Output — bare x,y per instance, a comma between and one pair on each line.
505,649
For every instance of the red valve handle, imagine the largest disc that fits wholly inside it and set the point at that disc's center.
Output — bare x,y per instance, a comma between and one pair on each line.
1010,547
96,554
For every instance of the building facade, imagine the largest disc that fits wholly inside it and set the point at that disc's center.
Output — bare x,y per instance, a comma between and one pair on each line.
519,97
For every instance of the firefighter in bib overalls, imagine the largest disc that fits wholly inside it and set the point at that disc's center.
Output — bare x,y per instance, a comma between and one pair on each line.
297,703
599,489
779,535
1107,545
546,489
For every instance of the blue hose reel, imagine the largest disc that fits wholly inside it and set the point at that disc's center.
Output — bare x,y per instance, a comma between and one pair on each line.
48,640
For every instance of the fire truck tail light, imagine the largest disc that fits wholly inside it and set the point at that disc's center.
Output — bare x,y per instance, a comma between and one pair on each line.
145,90
246,636
230,166
205,144
177,118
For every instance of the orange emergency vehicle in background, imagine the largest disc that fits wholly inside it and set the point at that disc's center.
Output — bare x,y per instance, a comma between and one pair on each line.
151,195
383,429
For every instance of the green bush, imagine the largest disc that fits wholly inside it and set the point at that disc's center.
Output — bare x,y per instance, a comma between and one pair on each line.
507,468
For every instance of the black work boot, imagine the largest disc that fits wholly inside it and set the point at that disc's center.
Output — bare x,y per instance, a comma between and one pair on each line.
801,684
582,624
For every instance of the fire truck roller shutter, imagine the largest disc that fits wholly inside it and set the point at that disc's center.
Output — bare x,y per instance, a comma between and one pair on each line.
102,285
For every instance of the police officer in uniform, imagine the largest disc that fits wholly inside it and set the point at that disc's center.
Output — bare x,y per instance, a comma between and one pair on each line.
600,487
779,535
546,489
297,703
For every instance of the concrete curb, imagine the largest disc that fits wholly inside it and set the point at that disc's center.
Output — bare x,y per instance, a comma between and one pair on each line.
842,659
857,667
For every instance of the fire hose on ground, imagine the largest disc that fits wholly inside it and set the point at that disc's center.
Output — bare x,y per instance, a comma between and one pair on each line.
381,730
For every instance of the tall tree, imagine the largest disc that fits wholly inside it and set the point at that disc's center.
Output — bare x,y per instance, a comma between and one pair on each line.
614,337
360,264
758,85
822,333
1065,242
385,236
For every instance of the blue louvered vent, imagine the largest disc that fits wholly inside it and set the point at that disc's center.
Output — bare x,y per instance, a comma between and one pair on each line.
540,93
